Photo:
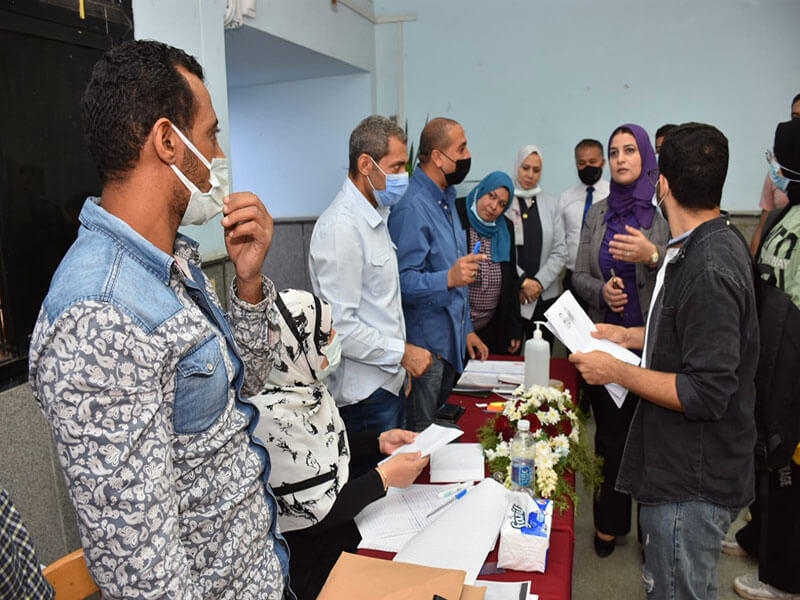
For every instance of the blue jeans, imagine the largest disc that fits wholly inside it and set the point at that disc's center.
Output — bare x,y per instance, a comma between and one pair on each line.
428,392
681,549
380,411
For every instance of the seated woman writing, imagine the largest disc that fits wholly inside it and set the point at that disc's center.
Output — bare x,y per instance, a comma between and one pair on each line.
310,450
493,297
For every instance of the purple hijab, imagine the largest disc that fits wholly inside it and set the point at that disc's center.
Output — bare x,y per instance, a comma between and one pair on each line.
636,197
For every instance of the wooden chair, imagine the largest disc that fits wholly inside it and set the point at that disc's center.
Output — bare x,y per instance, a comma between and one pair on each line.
70,577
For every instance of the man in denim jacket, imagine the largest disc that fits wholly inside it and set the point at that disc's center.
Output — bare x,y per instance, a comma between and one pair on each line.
688,459
140,373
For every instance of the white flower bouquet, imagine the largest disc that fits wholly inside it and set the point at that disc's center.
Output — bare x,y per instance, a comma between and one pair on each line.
556,427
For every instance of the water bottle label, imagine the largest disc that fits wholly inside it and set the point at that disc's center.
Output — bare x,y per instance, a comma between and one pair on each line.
521,474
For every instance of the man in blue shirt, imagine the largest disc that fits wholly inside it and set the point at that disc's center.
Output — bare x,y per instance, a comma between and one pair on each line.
435,267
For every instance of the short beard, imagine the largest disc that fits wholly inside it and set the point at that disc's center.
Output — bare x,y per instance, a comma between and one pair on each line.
179,201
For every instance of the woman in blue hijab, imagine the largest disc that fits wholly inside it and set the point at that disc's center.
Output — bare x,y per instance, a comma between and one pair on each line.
493,295
621,248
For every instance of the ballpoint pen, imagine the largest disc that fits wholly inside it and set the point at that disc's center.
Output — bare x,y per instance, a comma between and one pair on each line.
459,495
614,280
454,490
615,285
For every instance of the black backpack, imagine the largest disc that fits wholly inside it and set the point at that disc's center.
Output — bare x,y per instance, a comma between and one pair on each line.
778,374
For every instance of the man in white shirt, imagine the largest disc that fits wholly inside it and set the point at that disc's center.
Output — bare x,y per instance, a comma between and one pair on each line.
575,202
353,267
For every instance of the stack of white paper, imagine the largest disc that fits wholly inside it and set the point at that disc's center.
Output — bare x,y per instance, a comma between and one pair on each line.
457,462
570,323
490,374
389,522
463,535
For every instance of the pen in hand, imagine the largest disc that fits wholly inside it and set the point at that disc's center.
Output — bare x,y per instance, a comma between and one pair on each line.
615,285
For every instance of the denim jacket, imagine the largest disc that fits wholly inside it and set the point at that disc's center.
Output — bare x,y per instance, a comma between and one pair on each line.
704,327
139,373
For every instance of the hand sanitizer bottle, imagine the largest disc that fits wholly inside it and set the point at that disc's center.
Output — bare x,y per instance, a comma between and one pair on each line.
537,359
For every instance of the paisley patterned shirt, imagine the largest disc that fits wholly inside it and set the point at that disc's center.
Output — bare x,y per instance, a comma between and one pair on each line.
138,371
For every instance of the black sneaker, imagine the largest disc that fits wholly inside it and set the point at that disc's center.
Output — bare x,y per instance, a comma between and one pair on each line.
604,548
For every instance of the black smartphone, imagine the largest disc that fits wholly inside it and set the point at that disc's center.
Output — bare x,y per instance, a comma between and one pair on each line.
449,412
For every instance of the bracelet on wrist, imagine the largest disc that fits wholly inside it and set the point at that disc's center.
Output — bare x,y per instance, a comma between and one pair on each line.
383,478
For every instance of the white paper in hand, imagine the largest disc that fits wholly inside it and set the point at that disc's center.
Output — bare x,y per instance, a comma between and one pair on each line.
570,323
434,437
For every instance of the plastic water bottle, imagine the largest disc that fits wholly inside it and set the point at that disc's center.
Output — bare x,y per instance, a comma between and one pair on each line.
537,359
523,453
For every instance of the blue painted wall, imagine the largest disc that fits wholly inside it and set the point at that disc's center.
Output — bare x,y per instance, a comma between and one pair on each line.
289,140
550,73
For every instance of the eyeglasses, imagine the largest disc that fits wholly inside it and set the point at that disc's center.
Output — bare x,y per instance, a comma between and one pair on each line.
652,176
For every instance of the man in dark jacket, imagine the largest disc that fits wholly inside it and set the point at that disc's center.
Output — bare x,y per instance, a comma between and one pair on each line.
688,459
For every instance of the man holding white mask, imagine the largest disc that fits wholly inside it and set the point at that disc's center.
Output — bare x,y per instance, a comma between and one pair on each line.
353,267
143,377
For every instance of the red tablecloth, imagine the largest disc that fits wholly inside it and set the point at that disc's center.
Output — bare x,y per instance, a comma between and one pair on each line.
556,582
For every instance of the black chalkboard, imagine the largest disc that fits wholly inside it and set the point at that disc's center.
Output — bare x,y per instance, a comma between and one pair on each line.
46,56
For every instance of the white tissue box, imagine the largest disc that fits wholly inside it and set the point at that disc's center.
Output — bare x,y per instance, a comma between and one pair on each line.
525,533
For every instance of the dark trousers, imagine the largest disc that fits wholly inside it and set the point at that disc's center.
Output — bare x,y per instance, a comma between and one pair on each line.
567,282
313,552
379,412
428,392
773,533
612,510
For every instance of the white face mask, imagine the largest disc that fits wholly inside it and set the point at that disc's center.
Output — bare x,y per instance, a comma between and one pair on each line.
333,352
203,206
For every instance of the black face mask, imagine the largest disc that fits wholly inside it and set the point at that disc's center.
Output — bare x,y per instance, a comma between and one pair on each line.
462,168
589,175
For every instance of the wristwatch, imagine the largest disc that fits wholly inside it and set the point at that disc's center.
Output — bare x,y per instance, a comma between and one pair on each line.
654,258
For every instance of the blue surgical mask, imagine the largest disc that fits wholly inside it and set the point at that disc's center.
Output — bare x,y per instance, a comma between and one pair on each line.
396,186
778,178
333,352
474,210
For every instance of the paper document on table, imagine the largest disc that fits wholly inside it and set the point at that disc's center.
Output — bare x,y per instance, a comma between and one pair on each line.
401,512
505,590
386,544
490,374
570,323
457,462
516,367
432,438
464,533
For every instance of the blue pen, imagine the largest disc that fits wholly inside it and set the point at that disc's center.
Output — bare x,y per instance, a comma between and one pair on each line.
458,496
454,490
477,247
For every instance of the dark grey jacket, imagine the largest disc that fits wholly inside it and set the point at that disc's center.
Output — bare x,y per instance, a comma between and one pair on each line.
704,327
587,279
